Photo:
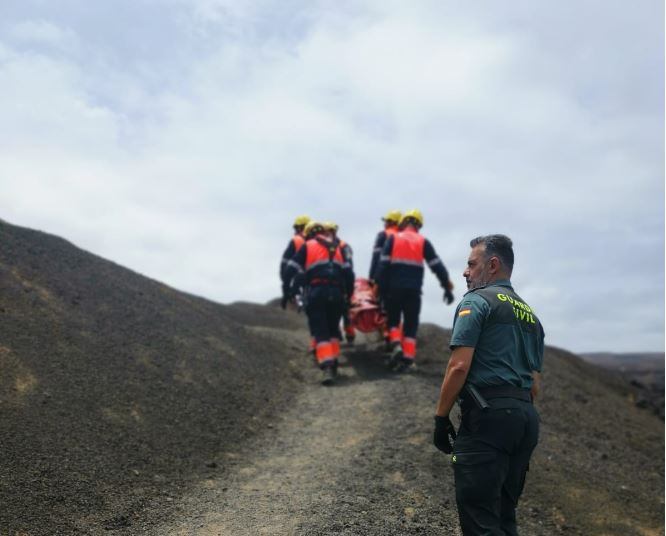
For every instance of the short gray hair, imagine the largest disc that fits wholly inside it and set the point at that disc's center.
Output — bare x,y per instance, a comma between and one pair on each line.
497,245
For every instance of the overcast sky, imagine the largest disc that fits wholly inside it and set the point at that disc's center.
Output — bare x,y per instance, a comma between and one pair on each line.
180,138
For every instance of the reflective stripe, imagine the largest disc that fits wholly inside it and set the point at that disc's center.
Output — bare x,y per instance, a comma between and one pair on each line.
376,250
384,258
295,265
394,334
321,263
409,347
435,261
408,262
315,264
324,351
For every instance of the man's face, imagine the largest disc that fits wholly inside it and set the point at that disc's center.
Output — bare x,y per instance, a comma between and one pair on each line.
476,274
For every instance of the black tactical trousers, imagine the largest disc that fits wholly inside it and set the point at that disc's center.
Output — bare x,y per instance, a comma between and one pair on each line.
490,460
405,303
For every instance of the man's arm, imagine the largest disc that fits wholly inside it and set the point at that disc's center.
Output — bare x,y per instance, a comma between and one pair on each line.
383,267
376,252
454,379
289,252
293,267
536,384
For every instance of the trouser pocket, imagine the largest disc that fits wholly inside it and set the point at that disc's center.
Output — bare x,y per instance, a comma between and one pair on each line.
478,480
476,475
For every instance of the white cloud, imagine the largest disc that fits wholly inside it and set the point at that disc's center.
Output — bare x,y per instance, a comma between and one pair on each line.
227,119
42,32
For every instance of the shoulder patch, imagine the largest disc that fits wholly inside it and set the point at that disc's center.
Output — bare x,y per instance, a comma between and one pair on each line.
465,312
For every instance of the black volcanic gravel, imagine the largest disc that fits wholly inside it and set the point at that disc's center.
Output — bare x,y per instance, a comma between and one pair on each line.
131,408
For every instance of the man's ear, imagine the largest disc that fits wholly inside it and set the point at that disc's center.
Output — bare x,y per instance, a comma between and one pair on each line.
495,265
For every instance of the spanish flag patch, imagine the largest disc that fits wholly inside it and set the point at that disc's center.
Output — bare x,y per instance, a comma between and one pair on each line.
465,312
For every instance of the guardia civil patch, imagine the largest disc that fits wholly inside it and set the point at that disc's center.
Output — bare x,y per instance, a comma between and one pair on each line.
464,312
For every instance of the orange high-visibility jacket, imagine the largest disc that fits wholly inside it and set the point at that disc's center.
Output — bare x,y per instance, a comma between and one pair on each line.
320,262
402,259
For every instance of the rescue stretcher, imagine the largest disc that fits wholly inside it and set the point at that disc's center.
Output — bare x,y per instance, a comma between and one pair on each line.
365,314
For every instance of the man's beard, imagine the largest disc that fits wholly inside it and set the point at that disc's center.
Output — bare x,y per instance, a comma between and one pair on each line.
481,281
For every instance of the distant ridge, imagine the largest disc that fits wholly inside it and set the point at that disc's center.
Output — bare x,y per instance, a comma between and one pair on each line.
644,371
635,360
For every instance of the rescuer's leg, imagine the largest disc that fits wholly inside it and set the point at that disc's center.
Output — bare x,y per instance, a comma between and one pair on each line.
412,310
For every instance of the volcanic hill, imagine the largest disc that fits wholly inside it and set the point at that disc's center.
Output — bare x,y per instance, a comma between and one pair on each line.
129,407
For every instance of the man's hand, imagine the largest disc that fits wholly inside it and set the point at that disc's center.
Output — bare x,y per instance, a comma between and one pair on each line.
448,296
445,434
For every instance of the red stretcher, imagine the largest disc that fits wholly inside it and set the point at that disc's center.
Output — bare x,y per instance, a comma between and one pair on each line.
364,311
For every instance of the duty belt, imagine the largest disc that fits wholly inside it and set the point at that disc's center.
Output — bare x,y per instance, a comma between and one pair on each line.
506,391
471,395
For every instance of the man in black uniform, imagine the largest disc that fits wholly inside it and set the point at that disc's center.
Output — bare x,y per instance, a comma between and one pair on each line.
494,369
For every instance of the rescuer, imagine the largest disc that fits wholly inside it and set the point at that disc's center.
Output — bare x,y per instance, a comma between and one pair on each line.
292,248
327,279
391,221
400,278
348,255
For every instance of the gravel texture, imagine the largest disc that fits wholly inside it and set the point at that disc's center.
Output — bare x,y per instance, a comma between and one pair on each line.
131,408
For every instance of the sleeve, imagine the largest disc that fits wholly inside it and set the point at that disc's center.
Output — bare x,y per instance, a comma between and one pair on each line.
468,322
348,254
540,349
294,268
383,266
436,264
349,280
286,257
376,252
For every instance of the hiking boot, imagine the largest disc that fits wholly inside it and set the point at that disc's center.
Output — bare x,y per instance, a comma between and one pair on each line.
405,365
396,356
328,376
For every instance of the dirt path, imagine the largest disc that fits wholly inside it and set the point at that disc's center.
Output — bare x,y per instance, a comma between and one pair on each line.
354,458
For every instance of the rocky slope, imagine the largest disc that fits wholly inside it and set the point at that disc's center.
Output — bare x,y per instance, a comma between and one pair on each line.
643,371
131,408
116,388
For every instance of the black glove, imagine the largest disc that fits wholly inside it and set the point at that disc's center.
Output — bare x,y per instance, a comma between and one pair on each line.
448,296
283,301
445,433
